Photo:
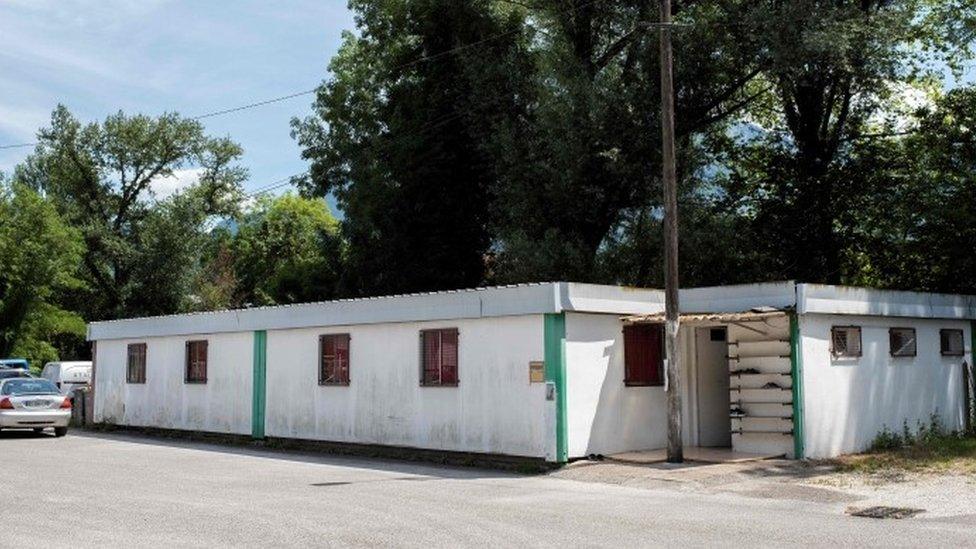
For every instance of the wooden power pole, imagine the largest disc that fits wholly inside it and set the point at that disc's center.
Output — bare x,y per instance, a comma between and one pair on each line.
675,452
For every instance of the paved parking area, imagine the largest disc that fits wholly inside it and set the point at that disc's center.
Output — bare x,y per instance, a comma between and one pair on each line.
91,489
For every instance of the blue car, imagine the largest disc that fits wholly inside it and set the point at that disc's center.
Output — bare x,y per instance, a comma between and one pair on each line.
14,364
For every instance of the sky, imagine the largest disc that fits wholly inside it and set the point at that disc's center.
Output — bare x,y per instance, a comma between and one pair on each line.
155,56
189,56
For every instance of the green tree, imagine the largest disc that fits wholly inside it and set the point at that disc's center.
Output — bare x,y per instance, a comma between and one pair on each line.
583,169
916,227
287,250
101,178
215,285
510,141
39,255
835,72
399,142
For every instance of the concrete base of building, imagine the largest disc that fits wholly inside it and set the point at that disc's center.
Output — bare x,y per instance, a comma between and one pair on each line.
693,453
521,464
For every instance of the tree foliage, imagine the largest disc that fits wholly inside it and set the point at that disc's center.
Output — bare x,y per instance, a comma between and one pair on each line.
101,177
399,143
835,71
287,250
494,141
39,256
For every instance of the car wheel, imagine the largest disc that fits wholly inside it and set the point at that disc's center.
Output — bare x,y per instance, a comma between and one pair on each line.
60,431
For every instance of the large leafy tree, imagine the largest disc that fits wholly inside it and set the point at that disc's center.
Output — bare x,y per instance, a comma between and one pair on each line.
101,177
916,228
39,255
397,137
835,71
286,250
582,169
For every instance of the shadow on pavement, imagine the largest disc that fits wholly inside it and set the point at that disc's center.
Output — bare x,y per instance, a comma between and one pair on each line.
261,451
24,433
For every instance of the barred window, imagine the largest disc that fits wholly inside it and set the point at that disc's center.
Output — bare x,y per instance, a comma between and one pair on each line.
951,342
196,361
136,363
845,341
334,359
439,357
902,342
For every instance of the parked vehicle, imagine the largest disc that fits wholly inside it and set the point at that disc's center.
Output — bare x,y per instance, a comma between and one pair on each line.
67,376
14,364
33,403
7,374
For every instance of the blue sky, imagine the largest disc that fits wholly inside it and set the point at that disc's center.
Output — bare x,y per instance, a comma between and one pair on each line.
189,56
152,56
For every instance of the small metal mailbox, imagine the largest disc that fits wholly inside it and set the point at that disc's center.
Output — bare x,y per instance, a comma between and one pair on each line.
537,371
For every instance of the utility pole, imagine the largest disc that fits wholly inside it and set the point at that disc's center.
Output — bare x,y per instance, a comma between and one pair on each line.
675,452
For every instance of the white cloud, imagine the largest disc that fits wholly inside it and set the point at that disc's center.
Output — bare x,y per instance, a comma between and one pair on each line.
22,123
165,187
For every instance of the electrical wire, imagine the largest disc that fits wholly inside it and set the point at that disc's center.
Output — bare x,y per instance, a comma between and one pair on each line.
421,59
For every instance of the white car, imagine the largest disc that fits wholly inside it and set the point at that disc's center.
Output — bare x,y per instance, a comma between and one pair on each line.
67,376
33,403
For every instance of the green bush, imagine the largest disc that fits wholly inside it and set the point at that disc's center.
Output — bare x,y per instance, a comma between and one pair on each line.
886,440
924,437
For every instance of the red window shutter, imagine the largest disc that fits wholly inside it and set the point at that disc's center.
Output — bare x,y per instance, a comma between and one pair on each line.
342,358
432,357
330,359
190,360
203,361
643,362
449,357
631,351
655,352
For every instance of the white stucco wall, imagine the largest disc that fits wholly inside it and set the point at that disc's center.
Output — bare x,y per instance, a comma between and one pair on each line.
494,408
847,401
605,416
222,405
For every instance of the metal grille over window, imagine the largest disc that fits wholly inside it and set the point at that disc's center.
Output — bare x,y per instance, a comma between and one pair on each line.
439,360
334,360
845,341
136,363
902,341
951,342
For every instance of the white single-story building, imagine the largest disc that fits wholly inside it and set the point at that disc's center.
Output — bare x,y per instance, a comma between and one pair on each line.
552,371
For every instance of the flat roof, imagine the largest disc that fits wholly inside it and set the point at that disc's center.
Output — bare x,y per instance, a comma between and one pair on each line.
542,298
494,301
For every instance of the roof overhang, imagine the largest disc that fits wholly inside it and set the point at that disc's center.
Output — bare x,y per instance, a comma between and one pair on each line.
708,318
496,301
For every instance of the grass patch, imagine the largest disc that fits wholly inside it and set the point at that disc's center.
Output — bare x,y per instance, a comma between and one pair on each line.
927,449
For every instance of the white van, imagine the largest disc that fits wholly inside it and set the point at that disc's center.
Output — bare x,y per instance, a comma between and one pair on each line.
68,375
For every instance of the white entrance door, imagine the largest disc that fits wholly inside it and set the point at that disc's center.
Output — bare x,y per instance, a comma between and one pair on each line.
713,387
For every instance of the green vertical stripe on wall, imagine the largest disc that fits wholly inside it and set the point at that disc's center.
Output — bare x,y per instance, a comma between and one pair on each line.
796,371
554,336
970,410
260,380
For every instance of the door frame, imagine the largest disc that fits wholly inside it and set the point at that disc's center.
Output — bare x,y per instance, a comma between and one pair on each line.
699,374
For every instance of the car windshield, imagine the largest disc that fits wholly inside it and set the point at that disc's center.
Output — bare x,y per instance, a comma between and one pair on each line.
28,387
7,374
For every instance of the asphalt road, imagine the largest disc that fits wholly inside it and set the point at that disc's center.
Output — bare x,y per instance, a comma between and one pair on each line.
114,490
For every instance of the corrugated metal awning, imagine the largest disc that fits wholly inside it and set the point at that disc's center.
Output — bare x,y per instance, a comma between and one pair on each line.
697,318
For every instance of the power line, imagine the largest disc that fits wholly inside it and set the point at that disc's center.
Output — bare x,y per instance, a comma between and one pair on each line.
273,185
257,104
17,146
421,59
